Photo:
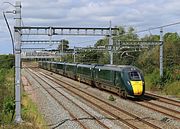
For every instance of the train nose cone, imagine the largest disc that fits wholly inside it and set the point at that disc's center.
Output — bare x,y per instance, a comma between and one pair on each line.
137,87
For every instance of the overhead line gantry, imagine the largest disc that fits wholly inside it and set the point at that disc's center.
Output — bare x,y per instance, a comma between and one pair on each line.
81,31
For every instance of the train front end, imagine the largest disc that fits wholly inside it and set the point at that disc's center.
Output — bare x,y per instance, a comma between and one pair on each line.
135,83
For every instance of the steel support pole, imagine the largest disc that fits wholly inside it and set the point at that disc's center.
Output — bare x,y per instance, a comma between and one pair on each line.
17,37
110,44
161,52
74,55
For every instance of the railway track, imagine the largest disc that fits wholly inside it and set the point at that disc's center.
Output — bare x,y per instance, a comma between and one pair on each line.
159,108
71,114
129,119
163,99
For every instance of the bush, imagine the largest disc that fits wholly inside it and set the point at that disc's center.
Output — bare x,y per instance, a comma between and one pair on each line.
178,77
111,98
173,88
6,88
6,61
155,82
8,105
155,78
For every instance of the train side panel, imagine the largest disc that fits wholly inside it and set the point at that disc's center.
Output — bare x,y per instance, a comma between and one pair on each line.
60,68
85,74
104,79
70,70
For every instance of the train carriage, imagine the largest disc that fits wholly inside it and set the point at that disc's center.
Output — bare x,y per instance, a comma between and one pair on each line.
44,65
85,73
48,66
108,77
60,68
70,70
54,67
40,64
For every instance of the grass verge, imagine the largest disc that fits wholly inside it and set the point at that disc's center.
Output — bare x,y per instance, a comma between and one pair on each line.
32,119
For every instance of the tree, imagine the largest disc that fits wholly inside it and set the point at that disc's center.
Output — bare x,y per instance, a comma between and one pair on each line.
101,42
171,38
126,34
151,38
64,45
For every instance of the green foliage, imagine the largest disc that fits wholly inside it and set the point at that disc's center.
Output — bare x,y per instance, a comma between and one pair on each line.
126,35
93,56
155,78
173,88
157,82
6,61
6,90
148,61
101,42
177,77
111,98
8,105
151,38
64,45
171,38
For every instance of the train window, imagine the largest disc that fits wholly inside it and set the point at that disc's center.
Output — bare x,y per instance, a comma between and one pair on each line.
86,71
59,66
69,68
134,75
106,75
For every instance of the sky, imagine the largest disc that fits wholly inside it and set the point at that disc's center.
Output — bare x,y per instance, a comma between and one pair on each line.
140,14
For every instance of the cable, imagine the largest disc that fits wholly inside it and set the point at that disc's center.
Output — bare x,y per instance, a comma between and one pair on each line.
12,40
158,27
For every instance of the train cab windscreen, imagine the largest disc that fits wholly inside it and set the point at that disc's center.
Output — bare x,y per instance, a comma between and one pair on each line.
134,75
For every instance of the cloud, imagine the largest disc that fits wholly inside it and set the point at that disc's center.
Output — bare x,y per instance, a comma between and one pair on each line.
92,13
121,2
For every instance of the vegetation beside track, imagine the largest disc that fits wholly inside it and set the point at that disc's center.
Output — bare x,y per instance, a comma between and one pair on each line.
30,115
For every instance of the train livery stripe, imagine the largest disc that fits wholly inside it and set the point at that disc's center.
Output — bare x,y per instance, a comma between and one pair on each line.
137,87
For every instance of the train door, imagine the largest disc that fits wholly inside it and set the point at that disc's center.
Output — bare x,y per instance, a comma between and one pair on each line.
117,79
119,84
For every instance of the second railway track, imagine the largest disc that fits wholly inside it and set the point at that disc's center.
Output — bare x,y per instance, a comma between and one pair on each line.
163,99
161,109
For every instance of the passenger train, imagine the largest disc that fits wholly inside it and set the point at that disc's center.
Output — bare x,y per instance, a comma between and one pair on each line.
124,80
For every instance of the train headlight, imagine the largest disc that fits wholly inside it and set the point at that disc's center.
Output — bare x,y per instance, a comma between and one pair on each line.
128,83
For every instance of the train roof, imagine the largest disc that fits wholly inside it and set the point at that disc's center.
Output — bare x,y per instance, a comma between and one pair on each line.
100,66
116,67
86,65
72,64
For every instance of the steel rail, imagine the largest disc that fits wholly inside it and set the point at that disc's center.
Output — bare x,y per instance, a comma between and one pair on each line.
164,99
159,110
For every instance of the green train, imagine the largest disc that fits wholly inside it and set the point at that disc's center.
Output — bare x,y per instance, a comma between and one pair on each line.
124,80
